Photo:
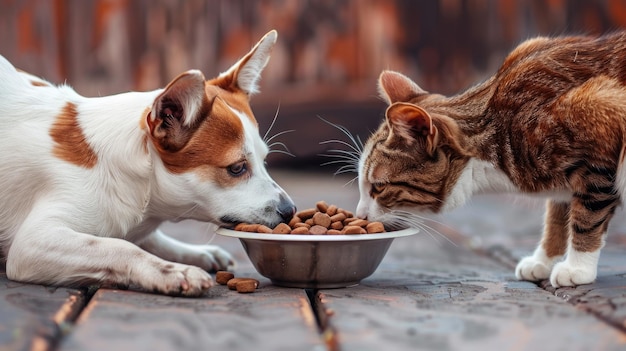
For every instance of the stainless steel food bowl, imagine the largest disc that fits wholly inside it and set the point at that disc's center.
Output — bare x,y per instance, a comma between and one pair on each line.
316,261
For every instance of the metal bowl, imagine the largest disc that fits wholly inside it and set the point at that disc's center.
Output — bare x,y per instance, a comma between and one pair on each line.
316,261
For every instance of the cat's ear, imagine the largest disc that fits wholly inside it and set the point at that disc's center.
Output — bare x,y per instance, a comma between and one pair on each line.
412,123
396,87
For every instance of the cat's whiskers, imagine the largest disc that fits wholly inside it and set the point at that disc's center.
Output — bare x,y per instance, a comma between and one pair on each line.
397,219
357,144
350,162
349,159
355,150
351,180
430,219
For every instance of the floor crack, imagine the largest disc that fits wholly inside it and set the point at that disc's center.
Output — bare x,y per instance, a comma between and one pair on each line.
64,319
322,315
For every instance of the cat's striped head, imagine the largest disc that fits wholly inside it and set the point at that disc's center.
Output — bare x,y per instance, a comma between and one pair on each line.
415,157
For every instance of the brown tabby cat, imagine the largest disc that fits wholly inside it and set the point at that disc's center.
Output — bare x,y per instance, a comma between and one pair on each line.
551,122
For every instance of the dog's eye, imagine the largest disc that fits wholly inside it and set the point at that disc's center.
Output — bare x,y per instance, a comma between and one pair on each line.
237,169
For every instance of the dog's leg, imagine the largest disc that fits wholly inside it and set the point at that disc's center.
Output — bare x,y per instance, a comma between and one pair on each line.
209,257
50,254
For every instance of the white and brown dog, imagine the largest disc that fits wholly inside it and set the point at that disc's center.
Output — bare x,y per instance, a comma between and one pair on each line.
86,182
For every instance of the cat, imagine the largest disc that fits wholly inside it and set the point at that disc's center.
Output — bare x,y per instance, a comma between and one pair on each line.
550,122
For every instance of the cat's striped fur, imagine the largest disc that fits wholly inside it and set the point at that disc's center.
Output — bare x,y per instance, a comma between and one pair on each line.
551,121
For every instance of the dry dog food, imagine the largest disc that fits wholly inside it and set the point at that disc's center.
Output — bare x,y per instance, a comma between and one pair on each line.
222,277
321,220
246,285
242,285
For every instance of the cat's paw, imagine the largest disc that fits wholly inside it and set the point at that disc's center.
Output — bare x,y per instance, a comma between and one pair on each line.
532,269
566,274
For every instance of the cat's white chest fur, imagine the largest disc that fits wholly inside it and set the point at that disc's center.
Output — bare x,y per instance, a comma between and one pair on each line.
481,177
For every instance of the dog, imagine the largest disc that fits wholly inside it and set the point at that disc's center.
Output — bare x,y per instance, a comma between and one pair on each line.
86,182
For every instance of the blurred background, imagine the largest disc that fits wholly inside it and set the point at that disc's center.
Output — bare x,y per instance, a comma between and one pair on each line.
325,64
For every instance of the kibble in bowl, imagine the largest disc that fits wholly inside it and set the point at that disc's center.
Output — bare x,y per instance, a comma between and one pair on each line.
321,220
307,252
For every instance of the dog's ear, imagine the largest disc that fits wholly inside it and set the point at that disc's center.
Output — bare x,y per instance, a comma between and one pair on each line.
245,74
175,110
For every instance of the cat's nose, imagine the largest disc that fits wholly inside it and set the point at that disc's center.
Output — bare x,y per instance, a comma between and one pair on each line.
286,208
361,210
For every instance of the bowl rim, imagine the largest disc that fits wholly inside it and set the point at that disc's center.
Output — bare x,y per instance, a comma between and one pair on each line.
325,237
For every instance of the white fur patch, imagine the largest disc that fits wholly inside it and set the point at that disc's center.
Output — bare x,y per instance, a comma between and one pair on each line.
481,177
535,267
578,268
478,177
367,207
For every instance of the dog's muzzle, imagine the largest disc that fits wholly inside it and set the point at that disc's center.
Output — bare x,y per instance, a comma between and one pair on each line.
286,208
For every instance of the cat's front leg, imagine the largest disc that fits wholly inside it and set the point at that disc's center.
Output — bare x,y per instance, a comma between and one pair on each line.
553,244
589,218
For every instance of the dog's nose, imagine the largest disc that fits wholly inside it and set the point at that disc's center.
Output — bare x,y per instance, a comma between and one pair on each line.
286,208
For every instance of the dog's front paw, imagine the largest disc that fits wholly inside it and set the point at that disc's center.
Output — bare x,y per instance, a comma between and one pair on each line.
532,269
212,258
180,279
566,274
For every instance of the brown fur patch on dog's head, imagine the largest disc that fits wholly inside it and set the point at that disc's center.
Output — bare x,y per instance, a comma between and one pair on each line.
195,124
